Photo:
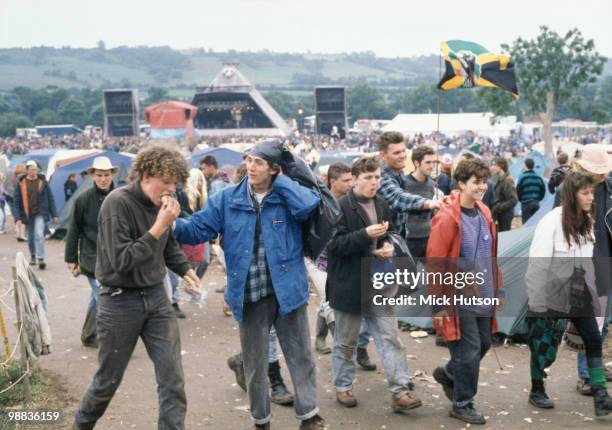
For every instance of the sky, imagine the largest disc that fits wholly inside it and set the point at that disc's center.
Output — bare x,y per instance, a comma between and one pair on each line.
389,28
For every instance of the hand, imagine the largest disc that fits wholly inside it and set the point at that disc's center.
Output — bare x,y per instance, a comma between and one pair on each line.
384,252
432,205
73,268
377,230
192,282
440,317
502,303
169,211
54,220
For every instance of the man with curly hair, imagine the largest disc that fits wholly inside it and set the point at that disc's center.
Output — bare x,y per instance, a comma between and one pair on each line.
135,244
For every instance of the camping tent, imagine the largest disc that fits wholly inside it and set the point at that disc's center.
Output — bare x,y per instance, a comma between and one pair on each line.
119,179
171,119
61,174
223,156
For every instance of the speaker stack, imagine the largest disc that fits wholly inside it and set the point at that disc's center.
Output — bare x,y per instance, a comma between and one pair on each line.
121,113
330,110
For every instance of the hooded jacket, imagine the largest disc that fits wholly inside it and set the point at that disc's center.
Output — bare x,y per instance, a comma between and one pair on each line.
443,250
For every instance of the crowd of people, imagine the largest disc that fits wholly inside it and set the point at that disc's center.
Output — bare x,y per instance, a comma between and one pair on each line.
141,244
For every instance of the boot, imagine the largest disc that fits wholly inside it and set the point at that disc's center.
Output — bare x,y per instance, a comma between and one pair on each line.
467,414
313,423
443,379
280,395
538,396
265,426
237,366
363,359
89,337
321,331
602,401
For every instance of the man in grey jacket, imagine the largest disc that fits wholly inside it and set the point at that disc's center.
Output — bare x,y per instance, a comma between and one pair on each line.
135,244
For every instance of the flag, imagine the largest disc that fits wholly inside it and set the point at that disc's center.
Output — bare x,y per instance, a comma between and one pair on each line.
468,65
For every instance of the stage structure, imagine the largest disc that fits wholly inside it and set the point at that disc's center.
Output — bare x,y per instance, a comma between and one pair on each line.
232,105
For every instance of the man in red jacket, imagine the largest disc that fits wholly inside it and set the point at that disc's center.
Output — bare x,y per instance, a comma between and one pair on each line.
463,240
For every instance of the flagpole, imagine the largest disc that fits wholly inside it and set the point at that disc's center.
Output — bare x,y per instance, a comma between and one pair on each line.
438,124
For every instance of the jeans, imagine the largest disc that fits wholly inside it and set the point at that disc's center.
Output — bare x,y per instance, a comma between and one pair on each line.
124,315
364,335
89,332
272,352
582,366
528,209
36,237
466,353
2,215
390,349
504,220
174,283
294,337
318,278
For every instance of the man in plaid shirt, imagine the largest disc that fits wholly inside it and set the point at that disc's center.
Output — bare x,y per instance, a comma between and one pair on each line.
393,182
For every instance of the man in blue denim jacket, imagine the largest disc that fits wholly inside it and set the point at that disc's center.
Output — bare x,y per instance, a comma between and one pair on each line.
260,222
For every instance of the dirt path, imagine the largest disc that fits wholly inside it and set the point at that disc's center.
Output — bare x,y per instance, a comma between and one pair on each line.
214,400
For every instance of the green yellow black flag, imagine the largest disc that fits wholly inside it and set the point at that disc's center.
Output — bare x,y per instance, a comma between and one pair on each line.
468,65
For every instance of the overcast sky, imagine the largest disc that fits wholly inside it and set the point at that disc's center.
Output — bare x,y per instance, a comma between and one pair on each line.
387,27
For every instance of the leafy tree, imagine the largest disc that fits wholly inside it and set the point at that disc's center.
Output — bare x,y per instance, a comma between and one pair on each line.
156,95
550,69
365,101
48,117
11,121
72,111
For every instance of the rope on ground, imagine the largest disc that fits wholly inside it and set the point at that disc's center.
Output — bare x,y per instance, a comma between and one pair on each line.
7,306
18,380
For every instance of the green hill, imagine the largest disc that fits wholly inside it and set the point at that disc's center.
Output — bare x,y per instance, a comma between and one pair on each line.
143,67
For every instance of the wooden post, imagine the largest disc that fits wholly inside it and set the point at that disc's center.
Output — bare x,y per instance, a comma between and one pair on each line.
7,348
22,339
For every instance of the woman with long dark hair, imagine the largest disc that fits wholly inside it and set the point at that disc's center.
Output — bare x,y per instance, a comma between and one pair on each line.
561,285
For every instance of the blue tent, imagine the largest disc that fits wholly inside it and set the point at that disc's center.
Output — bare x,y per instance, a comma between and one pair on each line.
61,174
224,157
41,156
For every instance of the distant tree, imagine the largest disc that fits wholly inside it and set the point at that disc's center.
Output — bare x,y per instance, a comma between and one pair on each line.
156,95
283,103
10,121
48,117
72,111
603,100
365,101
550,69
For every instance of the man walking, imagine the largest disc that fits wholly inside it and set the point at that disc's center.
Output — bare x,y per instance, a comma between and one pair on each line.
394,183
260,221
135,244
420,183
530,189
80,251
505,197
361,229
34,205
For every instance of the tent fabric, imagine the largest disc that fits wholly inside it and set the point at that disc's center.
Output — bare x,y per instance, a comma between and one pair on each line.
67,156
168,133
224,157
453,124
59,177
119,178
170,115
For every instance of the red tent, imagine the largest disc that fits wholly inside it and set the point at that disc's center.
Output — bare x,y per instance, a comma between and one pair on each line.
171,115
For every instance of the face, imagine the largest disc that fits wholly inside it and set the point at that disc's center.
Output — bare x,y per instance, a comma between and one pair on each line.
103,179
207,170
474,188
427,165
584,198
366,184
155,187
32,171
495,169
395,156
342,185
259,172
